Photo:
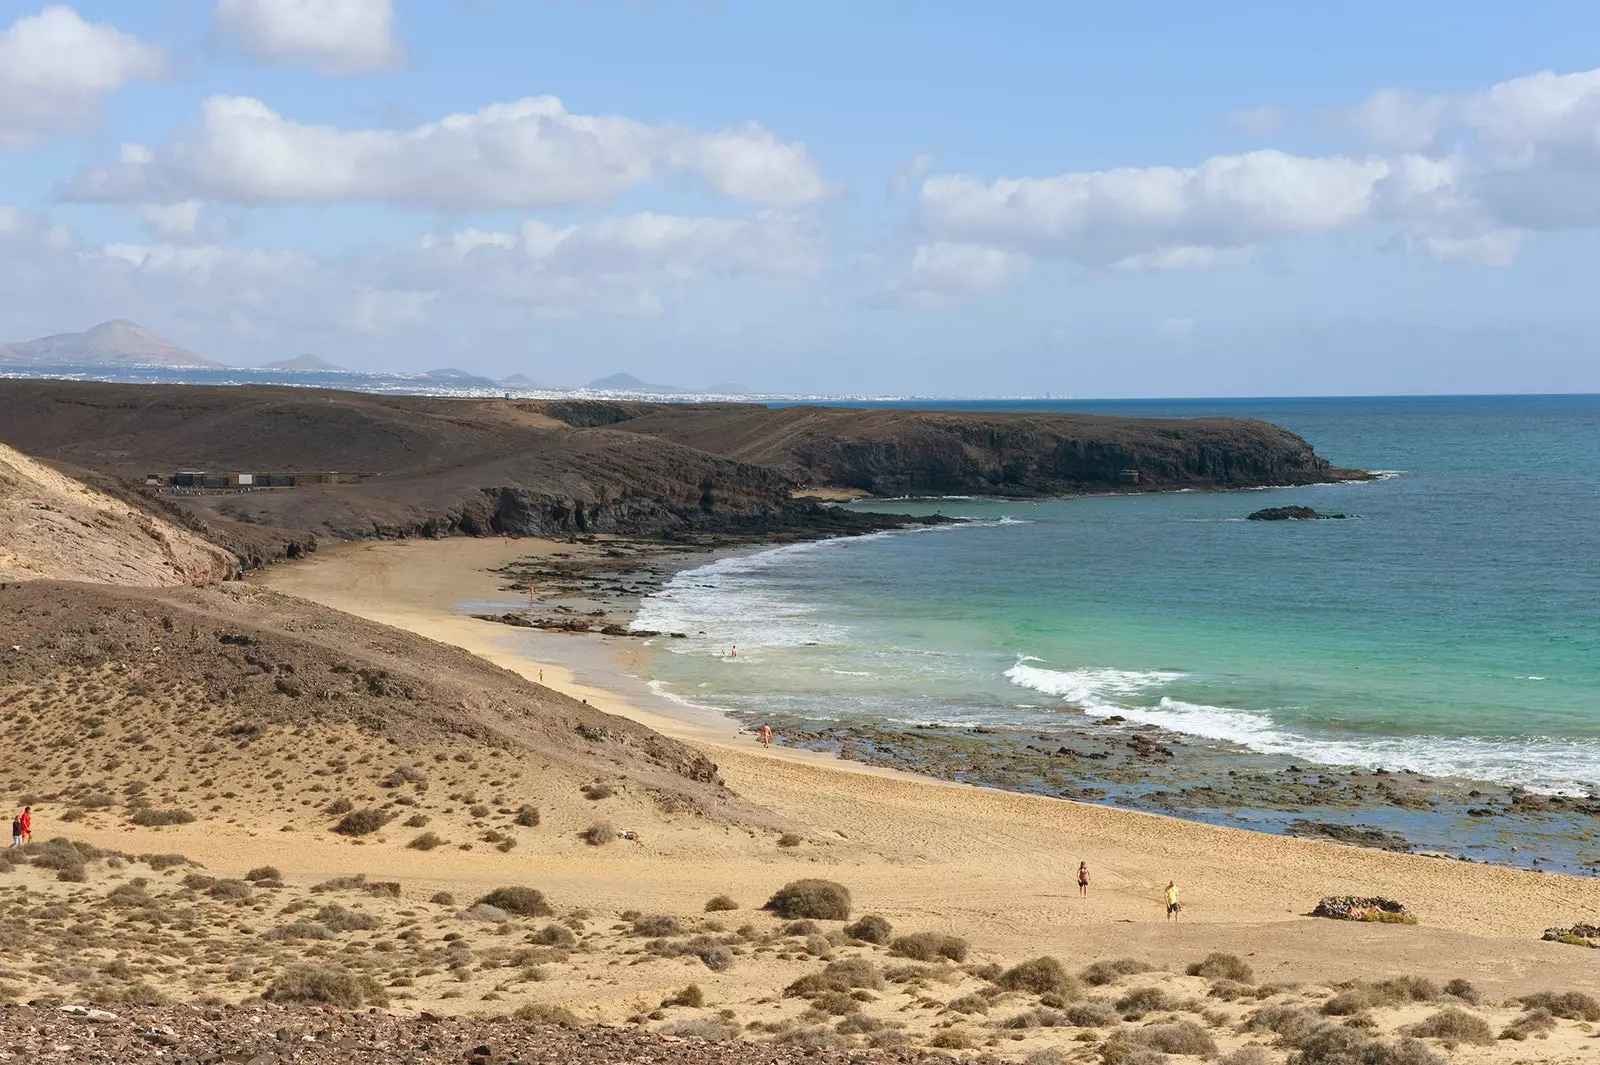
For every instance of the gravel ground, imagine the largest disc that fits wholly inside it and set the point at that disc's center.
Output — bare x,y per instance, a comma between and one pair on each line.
267,1035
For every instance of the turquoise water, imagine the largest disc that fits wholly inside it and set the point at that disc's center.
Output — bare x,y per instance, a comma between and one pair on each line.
1451,626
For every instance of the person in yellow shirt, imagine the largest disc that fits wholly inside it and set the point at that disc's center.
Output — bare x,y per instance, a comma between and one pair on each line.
1173,906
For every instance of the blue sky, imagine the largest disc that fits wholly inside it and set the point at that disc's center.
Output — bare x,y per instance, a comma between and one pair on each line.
1087,199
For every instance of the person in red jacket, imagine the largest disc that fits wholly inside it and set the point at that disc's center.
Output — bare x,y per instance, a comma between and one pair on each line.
27,824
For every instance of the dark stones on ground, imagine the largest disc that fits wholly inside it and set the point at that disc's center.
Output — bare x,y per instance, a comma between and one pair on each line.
1294,513
1578,935
270,1035
1357,835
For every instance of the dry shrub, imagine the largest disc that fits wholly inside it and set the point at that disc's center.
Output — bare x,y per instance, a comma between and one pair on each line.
1571,1005
871,929
158,862
836,1003
340,919
1535,1022
657,926
1142,1000
1291,1024
1253,1054
1340,1045
968,1004
1464,990
301,929
1220,966
1041,976
427,841
358,882
338,806
326,984
953,1039
1095,1013
709,1029
526,816
148,818
790,839
361,822
442,898
544,1014
522,901
717,957
1395,991
555,935
230,890
1048,1056
1453,1025
844,975
596,792
599,834
691,996
1176,1037
1037,1018
721,904
818,900
929,946
262,872
1108,972
1121,1050
813,1037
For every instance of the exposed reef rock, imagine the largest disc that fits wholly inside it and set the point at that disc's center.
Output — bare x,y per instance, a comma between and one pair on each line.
1290,514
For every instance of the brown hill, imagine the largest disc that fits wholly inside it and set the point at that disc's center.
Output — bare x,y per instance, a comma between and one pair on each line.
125,700
54,527
430,466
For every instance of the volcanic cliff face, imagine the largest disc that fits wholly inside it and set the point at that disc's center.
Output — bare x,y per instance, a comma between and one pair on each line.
899,452
436,467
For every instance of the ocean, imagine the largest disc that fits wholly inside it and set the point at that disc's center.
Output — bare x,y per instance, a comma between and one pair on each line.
1450,625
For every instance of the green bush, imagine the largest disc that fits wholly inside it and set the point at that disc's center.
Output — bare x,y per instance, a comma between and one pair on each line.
1571,1005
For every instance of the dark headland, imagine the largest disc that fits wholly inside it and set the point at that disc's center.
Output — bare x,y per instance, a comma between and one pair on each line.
422,466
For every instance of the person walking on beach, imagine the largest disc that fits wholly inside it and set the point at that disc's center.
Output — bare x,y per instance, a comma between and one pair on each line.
16,832
1083,880
766,736
1173,905
27,824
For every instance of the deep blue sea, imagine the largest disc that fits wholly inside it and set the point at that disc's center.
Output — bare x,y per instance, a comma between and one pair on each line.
1451,625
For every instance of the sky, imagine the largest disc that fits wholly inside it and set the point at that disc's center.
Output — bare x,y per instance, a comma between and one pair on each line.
1137,198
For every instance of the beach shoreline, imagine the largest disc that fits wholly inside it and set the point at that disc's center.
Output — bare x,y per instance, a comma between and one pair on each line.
585,585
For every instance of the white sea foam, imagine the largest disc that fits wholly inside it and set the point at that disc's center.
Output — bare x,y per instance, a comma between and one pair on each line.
1538,763
1087,688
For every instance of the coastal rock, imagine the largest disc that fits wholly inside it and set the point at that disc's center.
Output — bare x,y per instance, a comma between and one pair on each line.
1357,835
1361,908
1294,513
1578,935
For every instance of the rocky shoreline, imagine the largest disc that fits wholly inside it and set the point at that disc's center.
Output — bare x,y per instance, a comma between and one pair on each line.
596,587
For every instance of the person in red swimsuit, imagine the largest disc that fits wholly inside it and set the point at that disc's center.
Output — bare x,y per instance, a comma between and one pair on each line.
1083,880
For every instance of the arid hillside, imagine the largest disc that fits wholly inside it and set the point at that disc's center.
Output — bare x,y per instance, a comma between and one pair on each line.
129,703
53,527
434,467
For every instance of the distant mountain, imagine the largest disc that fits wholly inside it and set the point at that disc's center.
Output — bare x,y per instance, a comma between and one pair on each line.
626,382
460,378
517,380
306,364
114,343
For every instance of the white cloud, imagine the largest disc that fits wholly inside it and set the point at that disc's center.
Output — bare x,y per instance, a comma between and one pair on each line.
911,171
55,67
1495,248
1400,120
333,36
1100,218
528,153
174,221
945,271
1187,257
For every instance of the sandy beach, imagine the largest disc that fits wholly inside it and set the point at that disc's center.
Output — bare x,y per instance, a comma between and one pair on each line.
996,867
